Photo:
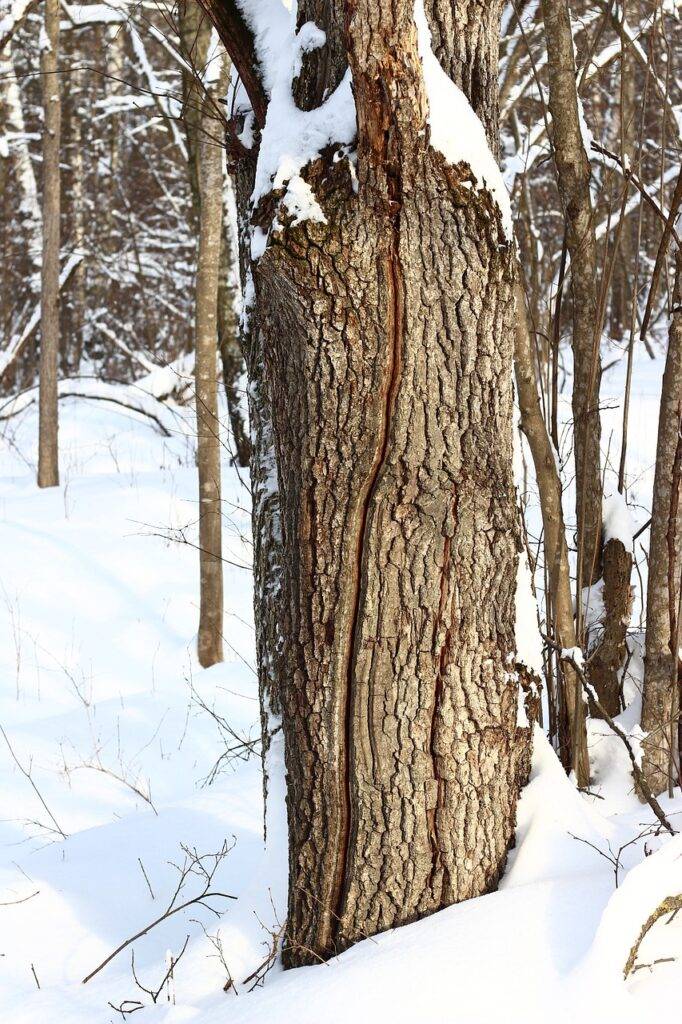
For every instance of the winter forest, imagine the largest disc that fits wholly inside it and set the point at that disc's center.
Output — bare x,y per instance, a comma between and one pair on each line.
340,511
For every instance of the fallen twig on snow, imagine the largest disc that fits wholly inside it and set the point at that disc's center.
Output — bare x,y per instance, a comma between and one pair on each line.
670,905
193,865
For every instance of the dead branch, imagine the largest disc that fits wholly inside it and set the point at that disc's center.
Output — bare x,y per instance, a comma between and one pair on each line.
194,865
27,775
670,905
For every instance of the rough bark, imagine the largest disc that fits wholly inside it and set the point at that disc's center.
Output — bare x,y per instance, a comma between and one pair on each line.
660,704
609,652
573,735
573,180
387,336
48,452
231,357
210,640
270,610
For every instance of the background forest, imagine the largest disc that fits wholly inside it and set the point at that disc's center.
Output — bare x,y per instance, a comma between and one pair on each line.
171,177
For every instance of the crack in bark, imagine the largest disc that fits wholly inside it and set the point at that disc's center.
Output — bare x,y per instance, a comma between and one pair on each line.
394,335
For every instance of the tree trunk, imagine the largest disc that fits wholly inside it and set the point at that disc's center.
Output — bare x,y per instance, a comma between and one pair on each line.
194,31
231,356
387,334
573,737
660,705
386,326
270,608
48,452
210,639
75,305
13,115
609,651
573,179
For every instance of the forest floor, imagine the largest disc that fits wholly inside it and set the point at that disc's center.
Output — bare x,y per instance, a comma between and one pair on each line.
108,785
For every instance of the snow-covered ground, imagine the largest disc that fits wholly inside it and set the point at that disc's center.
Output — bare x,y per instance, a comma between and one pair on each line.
110,718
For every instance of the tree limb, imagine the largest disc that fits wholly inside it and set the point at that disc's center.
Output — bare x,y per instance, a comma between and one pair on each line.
238,40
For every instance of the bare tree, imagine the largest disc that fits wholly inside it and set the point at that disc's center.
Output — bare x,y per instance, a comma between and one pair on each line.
573,746
210,179
48,451
573,179
661,695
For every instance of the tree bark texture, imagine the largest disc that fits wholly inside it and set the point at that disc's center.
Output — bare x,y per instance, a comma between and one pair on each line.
572,732
270,609
609,650
12,111
231,357
573,179
48,451
210,179
387,336
660,704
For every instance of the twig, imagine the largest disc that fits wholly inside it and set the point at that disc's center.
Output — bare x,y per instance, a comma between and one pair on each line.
669,905
27,775
194,864
24,899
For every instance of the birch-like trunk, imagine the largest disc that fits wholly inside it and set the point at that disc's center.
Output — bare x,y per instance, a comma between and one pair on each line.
22,167
661,694
48,451
210,640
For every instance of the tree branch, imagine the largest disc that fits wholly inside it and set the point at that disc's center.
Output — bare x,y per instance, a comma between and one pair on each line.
238,40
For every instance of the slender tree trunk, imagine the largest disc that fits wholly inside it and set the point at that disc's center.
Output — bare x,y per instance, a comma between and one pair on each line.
22,166
573,179
573,735
195,35
48,452
75,305
210,642
660,705
231,356
608,651
270,607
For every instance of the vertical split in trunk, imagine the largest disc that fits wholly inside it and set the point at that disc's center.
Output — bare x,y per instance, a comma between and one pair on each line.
210,640
387,335
661,694
48,452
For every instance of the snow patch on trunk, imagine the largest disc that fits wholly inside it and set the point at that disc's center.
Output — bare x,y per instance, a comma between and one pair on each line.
617,520
456,130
